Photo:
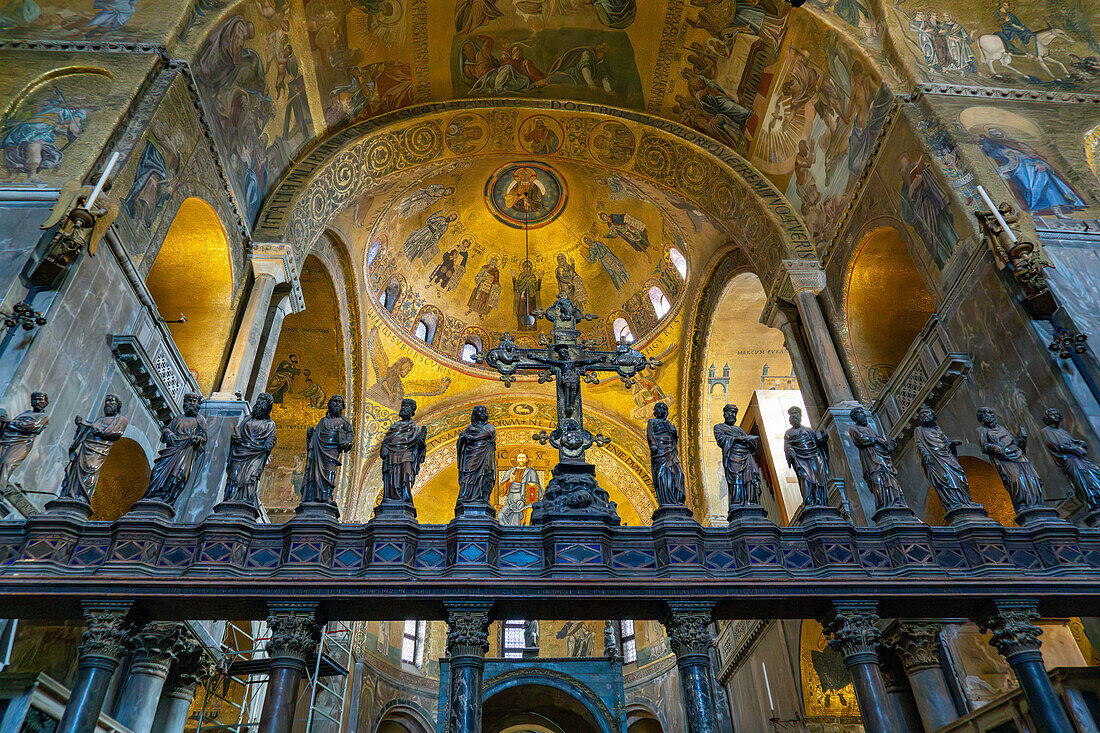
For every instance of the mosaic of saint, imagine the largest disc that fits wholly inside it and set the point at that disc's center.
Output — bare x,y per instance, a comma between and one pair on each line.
526,194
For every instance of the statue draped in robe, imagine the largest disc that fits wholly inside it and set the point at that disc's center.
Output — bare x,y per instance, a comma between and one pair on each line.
1071,456
403,449
1012,464
876,461
324,444
738,461
250,446
806,451
477,460
18,436
941,465
664,457
88,451
184,441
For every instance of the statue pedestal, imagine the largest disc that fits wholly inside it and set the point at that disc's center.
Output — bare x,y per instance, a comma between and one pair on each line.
968,514
574,495
474,509
530,652
1038,515
393,507
473,541
235,510
672,513
1092,519
151,509
70,509
898,514
324,510
813,515
747,514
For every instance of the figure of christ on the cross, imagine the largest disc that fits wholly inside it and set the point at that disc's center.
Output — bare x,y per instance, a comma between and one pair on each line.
573,492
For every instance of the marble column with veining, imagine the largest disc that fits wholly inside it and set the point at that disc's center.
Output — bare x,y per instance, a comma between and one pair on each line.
1016,637
467,644
295,636
101,648
852,630
688,628
155,646
916,644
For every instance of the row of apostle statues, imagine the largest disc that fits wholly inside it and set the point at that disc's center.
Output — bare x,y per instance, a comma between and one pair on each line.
403,449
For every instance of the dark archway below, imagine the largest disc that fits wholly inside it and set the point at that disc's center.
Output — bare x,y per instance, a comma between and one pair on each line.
538,706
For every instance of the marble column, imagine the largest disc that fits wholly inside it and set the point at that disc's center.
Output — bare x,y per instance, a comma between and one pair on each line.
467,644
807,280
101,648
902,705
271,264
295,635
190,668
1016,637
270,344
917,646
852,630
155,646
786,321
688,629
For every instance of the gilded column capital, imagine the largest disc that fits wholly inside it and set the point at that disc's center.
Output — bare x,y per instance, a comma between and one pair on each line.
294,635
467,631
852,630
1014,632
916,643
688,629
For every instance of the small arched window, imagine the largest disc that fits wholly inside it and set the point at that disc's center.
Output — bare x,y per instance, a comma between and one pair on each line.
623,334
388,297
678,261
422,331
661,306
470,349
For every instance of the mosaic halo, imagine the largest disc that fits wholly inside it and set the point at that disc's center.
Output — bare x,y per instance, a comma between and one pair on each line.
526,193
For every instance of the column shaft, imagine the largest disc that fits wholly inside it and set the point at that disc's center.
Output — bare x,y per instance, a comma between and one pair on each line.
295,635
189,669
155,648
271,342
803,369
243,356
851,627
829,369
467,644
172,712
688,628
101,648
1016,637
917,647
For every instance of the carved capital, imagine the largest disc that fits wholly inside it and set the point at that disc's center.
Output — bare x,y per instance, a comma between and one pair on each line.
852,630
893,675
468,631
192,667
1015,635
157,643
805,275
916,644
294,635
276,260
688,629
106,633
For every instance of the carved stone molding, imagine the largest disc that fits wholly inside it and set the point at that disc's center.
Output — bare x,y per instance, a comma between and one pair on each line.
294,635
916,644
805,275
157,643
106,632
688,629
852,630
467,631
986,92
81,46
1014,632
277,261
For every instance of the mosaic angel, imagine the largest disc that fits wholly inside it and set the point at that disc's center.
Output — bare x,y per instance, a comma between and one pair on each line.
390,388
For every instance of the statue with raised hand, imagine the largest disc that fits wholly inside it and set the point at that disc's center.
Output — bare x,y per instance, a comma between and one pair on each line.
88,451
19,434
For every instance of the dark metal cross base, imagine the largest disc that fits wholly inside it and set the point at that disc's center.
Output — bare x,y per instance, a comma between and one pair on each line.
574,494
